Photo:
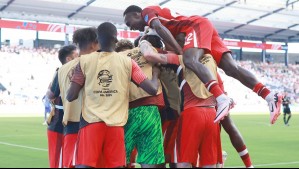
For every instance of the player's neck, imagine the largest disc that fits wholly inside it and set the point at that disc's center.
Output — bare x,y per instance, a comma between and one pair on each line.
107,49
85,52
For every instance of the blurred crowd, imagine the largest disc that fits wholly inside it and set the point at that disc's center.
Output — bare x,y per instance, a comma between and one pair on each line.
25,75
276,76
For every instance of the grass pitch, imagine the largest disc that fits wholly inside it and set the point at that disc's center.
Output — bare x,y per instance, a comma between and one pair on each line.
23,142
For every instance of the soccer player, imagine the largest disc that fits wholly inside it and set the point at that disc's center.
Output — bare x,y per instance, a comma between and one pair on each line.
172,98
201,38
47,105
144,122
86,40
228,125
235,135
105,78
286,110
55,128
197,134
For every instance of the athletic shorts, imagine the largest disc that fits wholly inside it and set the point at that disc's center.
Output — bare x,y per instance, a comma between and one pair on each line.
203,35
70,142
287,111
170,130
69,149
101,146
55,146
143,131
198,134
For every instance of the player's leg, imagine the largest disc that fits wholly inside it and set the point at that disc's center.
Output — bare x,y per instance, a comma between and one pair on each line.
90,145
237,140
232,69
55,139
285,117
150,138
191,60
133,157
114,148
169,143
289,116
199,37
209,147
55,145
70,141
189,137
131,129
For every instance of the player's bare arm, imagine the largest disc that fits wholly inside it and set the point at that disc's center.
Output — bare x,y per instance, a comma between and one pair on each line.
73,92
151,55
152,86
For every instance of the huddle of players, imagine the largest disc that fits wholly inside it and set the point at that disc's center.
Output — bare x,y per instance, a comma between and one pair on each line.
109,104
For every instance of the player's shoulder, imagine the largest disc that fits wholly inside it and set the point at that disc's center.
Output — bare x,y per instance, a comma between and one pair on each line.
153,7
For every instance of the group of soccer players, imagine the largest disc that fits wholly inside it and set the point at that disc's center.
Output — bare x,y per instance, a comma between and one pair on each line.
161,99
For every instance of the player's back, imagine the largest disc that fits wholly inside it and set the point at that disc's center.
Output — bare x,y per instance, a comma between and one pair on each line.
105,93
172,20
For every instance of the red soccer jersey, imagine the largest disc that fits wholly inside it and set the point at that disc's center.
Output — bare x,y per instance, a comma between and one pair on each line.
173,21
200,33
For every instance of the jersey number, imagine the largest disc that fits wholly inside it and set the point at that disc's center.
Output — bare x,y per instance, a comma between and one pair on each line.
189,38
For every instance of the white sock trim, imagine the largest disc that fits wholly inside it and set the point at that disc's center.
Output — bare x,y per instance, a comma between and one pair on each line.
243,153
179,70
214,82
183,84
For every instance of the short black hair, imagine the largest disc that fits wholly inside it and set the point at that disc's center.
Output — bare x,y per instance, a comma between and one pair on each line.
124,44
132,8
85,36
65,51
154,40
106,33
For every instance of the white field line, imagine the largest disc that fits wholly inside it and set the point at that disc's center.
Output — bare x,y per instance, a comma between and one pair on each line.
265,165
14,136
21,146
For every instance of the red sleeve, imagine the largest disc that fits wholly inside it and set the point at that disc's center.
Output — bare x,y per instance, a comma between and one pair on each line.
149,14
78,76
173,59
137,74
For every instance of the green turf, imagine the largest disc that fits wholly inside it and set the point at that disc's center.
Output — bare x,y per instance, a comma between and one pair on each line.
267,145
25,132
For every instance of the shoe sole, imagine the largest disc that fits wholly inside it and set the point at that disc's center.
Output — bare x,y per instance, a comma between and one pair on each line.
277,114
222,115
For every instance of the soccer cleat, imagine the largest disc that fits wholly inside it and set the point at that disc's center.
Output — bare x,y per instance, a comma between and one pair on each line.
224,104
274,102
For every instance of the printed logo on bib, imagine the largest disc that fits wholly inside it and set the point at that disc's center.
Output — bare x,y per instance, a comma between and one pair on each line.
105,80
136,56
205,59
